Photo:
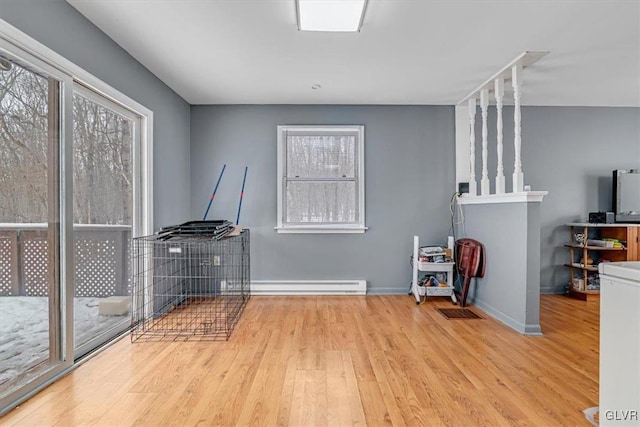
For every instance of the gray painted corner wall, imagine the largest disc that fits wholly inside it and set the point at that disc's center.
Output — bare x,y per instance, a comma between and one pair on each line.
409,167
63,29
570,152
510,288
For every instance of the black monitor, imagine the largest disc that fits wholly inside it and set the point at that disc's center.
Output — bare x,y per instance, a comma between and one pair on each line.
626,195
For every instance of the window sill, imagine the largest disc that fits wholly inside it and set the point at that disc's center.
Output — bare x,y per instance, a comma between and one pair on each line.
320,230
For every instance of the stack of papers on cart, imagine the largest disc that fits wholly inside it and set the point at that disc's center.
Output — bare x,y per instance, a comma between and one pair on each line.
432,254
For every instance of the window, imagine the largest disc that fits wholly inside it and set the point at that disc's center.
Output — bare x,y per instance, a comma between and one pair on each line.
321,179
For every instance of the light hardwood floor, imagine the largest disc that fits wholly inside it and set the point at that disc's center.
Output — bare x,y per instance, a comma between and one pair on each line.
341,361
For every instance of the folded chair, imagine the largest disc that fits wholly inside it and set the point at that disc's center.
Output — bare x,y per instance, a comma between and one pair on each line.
470,259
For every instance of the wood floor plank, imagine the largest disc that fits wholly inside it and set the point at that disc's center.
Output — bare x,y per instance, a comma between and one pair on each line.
327,360
286,399
259,408
297,411
202,406
338,404
353,391
125,410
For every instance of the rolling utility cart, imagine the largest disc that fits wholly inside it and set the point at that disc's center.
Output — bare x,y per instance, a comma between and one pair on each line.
435,267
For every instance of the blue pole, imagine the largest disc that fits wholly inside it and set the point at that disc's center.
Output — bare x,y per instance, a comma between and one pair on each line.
242,194
213,195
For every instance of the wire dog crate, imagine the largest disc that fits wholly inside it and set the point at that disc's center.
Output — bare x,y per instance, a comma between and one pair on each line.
188,286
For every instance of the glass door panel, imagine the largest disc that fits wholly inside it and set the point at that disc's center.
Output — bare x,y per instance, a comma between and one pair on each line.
30,335
104,139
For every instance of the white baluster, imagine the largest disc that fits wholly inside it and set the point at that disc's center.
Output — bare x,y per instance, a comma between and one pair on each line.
518,176
473,188
499,91
484,106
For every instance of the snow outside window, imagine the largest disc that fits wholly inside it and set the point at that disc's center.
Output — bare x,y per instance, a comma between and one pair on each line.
321,179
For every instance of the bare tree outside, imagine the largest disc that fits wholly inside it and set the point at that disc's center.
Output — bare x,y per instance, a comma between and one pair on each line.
23,146
102,165
102,155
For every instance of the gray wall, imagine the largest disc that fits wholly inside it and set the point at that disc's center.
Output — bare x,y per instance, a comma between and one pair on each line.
570,152
60,27
409,166
510,288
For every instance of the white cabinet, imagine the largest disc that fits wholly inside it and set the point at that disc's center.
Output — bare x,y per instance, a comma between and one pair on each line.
434,267
620,343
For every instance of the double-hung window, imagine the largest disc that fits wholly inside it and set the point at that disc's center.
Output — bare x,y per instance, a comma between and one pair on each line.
321,179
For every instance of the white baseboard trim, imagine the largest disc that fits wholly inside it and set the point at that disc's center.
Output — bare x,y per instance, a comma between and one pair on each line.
524,329
308,287
396,290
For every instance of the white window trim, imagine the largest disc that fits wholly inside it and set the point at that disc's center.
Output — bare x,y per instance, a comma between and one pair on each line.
320,228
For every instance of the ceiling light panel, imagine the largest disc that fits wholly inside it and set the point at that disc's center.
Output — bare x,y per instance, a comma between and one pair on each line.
330,15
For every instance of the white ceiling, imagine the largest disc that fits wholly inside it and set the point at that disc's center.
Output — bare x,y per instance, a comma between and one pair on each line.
408,52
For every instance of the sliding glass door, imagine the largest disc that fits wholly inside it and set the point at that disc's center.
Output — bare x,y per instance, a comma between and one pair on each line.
30,283
75,168
105,138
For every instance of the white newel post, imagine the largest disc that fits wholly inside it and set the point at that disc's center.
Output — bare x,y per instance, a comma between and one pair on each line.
473,188
518,176
484,106
499,92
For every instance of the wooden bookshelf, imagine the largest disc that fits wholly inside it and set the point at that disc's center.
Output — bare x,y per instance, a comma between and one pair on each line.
582,273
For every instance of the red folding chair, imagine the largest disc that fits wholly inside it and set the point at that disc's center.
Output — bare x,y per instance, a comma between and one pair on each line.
471,260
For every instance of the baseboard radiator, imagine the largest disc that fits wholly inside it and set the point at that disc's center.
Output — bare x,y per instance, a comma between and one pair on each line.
308,287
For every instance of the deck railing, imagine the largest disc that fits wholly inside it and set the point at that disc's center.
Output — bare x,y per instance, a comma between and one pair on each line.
101,258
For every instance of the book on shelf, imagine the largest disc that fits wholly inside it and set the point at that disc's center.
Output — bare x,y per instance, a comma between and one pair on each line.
605,243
